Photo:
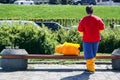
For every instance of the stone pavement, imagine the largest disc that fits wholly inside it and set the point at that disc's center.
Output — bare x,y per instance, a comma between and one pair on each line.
61,72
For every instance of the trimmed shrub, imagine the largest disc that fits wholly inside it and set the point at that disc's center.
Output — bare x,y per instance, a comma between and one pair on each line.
110,40
71,36
28,37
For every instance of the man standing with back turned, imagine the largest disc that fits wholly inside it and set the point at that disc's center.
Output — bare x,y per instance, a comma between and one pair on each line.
90,27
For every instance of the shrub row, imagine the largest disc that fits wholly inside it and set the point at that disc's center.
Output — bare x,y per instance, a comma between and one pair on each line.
110,40
27,37
44,40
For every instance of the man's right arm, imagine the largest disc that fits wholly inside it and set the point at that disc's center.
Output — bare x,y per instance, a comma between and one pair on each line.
101,25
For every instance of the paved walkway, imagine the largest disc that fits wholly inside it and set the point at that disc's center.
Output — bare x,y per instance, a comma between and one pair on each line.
61,72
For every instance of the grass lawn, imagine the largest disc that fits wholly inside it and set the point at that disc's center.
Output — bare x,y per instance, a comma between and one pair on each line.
55,11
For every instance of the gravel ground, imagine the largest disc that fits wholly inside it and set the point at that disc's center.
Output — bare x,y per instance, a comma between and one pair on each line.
61,72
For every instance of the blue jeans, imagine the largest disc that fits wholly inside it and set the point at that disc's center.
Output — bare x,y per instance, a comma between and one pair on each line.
90,49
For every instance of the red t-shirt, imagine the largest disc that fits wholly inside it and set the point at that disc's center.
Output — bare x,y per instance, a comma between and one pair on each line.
91,26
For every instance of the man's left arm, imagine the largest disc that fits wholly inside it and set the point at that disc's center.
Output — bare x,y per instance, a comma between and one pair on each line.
80,27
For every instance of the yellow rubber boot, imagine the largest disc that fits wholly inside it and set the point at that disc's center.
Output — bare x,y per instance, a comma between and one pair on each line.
90,64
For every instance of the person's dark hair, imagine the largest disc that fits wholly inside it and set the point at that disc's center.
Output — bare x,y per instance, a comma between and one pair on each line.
89,9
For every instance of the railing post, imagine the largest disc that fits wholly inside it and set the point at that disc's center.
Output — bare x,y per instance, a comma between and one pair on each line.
13,64
116,62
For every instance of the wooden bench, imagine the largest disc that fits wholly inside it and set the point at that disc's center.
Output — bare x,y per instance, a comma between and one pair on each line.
20,62
36,56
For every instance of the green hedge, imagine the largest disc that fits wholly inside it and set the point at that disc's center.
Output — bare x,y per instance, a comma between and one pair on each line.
27,37
43,41
110,40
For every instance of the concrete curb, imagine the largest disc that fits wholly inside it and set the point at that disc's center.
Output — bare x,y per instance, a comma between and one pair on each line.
47,62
